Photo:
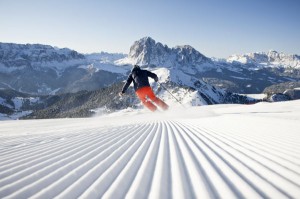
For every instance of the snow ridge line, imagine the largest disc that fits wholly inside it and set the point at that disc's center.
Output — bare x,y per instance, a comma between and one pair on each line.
45,152
276,182
87,183
55,159
211,171
83,165
42,148
26,142
155,159
278,157
270,156
229,172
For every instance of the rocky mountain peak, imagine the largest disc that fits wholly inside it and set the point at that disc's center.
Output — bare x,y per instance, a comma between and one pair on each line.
147,51
24,55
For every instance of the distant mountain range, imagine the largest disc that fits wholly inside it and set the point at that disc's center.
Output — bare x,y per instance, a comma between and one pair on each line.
249,73
269,59
42,69
47,74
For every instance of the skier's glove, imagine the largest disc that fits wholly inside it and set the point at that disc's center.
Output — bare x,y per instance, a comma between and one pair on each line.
121,93
156,79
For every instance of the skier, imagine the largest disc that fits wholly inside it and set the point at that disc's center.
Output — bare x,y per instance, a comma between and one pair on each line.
142,88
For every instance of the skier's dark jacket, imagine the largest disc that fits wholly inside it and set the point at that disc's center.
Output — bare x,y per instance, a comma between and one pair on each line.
139,78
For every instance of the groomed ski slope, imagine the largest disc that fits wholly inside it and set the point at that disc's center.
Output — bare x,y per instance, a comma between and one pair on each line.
220,151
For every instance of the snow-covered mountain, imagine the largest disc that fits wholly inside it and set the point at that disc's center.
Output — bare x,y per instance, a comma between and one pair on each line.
37,56
249,73
253,72
95,71
42,69
104,57
147,51
181,71
269,59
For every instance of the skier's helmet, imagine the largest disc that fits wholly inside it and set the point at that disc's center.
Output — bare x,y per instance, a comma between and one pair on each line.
136,67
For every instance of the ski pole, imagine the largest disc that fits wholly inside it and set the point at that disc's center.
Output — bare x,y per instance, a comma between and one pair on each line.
170,93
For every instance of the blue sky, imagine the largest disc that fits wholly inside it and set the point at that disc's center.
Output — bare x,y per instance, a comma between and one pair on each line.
216,28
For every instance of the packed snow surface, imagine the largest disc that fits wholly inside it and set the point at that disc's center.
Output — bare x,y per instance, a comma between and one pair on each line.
219,151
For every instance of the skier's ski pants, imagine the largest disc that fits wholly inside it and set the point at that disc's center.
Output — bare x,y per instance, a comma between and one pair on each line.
145,94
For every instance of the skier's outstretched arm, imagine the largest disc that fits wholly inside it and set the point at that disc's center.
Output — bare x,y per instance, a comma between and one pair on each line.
126,85
152,75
